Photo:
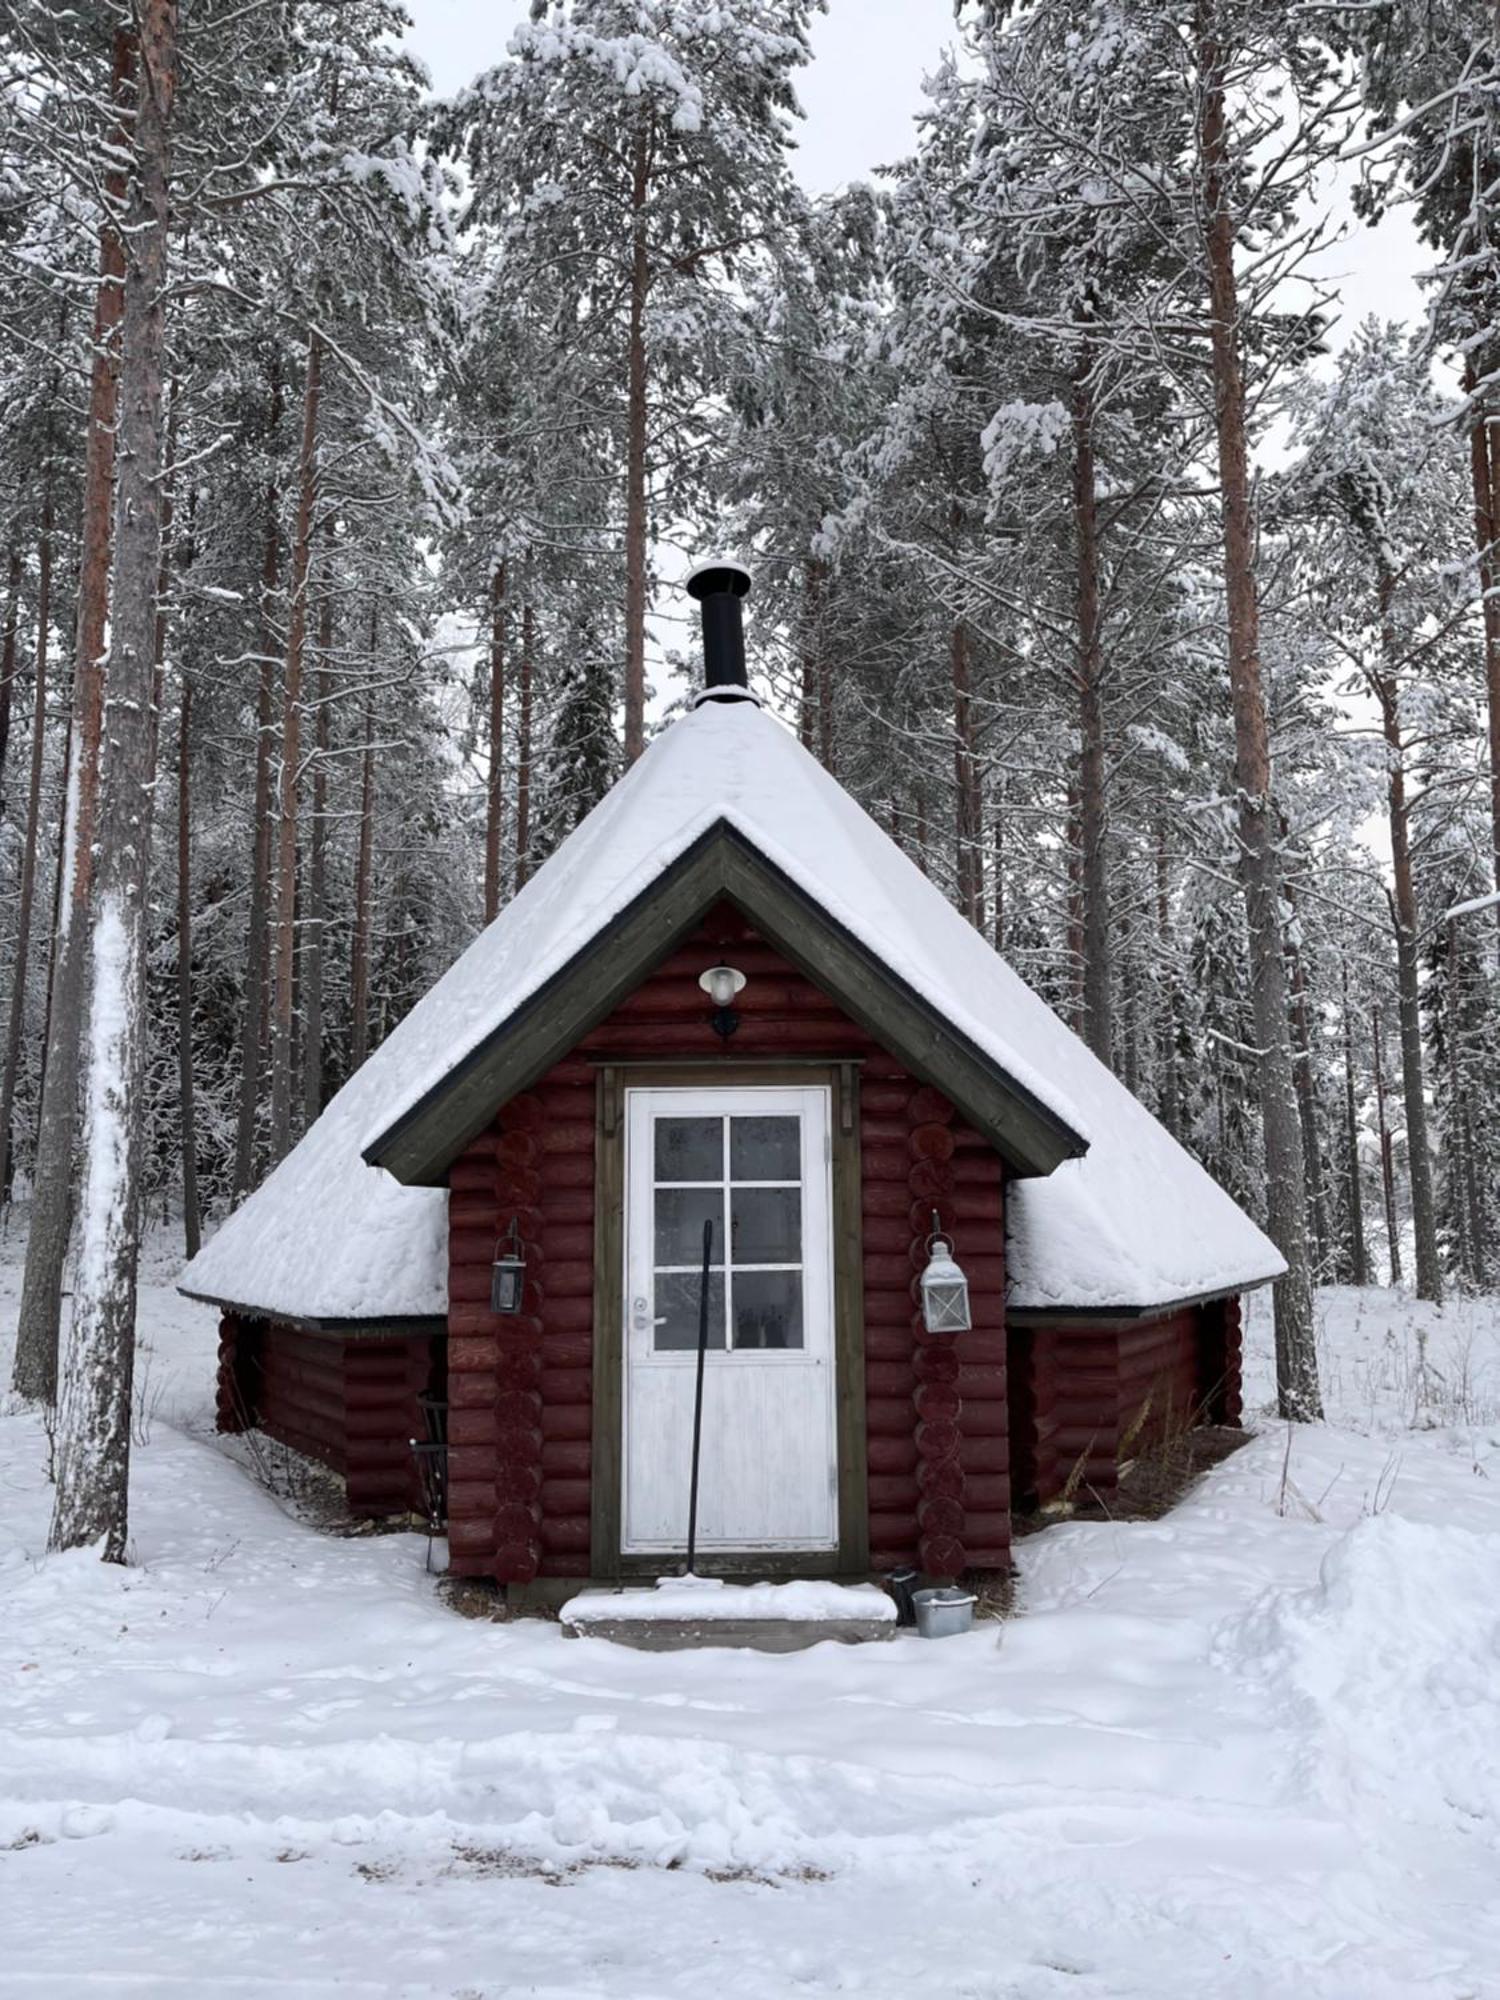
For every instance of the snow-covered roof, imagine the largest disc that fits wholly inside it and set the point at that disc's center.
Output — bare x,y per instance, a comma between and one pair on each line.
1132,1222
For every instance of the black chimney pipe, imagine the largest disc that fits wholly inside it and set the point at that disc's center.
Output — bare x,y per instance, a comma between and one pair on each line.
719,587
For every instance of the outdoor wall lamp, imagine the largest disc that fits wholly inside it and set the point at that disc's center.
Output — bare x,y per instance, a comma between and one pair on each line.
723,984
508,1272
945,1289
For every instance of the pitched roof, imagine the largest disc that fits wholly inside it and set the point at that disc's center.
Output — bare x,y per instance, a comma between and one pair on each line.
1132,1222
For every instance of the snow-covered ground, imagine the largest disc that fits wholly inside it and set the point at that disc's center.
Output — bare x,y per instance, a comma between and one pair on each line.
1253,1749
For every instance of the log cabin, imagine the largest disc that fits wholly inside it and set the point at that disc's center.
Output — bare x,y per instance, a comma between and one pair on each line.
729,1006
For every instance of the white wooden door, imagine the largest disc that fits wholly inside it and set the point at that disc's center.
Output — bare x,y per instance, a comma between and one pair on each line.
754,1163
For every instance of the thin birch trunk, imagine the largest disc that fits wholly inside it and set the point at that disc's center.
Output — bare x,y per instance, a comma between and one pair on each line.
315,924
192,1218
1298,1396
635,450
35,1368
1387,1154
258,956
1358,1257
284,943
494,798
8,661
1098,1023
21,957
523,752
94,1402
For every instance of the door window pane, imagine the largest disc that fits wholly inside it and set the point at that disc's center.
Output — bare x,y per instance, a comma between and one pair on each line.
677,1295
765,1149
766,1225
689,1149
768,1309
680,1216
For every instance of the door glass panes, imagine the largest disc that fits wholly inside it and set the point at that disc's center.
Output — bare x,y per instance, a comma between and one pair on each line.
765,1149
690,1149
677,1294
766,1225
768,1308
746,1168
680,1216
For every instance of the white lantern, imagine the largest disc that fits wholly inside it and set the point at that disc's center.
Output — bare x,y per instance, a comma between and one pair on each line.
945,1289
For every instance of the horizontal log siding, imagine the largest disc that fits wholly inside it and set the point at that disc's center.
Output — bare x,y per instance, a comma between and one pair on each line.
520,1457
349,1404
1087,1398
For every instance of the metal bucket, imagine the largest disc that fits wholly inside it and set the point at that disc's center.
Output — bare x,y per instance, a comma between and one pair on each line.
944,1611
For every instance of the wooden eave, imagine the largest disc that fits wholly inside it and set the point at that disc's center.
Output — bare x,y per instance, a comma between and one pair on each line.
1109,1319
422,1144
401,1326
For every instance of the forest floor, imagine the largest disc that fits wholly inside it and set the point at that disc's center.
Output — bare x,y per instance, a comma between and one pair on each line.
1251,1749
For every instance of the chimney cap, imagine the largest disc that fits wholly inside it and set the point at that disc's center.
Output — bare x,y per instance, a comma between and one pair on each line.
716,574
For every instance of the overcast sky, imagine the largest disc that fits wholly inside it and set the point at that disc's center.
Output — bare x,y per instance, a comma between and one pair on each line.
860,94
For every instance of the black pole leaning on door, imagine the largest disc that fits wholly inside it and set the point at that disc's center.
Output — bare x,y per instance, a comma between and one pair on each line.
692,1545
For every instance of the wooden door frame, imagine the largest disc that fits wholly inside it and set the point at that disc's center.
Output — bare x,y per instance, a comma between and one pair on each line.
851,1558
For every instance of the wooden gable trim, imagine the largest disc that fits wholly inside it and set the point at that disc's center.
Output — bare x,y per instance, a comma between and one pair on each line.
421,1145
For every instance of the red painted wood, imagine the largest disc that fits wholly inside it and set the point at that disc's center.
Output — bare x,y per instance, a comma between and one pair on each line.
537,1161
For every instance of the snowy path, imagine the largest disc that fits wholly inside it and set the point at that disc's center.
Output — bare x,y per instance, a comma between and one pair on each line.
268,1761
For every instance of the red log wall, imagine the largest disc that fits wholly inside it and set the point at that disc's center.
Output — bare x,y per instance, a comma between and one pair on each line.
1086,1398
520,1390
350,1404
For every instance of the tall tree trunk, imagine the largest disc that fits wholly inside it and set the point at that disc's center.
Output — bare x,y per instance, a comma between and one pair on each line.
807,698
635,449
1093,824
35,1368
21,957
8,661
1359,1263
283,1043
359,970
1075,909
1260,865
93,1430
1307,1101
192,1218
1170,1094
494,801
1387,1153
258,954
969,805
999,853
315,923
523,752
164,576
1429,1276
1485,476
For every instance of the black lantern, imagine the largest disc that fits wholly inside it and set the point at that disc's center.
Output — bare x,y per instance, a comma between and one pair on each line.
508,1273
945,1289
